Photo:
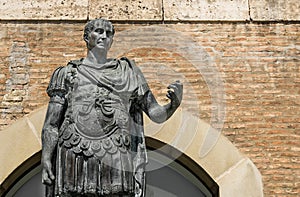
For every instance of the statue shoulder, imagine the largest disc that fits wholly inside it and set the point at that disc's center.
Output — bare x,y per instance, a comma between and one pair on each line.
125,60
142,84
57,82
60,78
131,64
74,63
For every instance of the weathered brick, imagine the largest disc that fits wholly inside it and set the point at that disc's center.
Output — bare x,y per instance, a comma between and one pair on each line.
258,64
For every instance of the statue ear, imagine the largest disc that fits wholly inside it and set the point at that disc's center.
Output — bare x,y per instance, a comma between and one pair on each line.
112,40
86,39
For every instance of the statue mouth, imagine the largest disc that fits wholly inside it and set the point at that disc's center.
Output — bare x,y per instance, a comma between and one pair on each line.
100,44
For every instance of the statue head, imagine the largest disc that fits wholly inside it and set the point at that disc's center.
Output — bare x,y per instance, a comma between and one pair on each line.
99,33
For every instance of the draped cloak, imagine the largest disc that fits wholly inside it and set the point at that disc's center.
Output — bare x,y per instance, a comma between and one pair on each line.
101,148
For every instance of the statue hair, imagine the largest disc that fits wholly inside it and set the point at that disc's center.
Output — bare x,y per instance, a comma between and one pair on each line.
90,25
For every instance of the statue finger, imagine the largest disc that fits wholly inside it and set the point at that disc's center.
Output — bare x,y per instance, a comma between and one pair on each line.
171,95
51,175
179,85
46,179
173,86
168,95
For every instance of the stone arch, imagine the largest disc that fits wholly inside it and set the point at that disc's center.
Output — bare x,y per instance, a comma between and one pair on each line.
20,147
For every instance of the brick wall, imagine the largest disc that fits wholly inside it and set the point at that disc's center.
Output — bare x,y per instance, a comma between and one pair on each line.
258,64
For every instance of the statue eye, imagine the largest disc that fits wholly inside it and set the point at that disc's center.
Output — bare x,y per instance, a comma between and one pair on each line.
99,30
108,33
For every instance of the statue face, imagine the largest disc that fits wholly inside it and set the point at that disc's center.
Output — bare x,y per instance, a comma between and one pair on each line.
101,36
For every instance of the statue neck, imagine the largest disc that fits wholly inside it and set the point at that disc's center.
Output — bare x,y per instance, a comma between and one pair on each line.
96,58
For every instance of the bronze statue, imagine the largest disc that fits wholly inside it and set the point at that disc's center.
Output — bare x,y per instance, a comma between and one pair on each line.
93,139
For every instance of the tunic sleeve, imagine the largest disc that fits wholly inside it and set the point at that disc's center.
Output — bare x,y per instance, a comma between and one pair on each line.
142,85
57,87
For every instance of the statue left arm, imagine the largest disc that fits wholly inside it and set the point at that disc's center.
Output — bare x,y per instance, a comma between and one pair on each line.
158,113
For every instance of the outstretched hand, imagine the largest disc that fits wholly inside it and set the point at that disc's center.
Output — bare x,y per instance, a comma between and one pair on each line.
175,93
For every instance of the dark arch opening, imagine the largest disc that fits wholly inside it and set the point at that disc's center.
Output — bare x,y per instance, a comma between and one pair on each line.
186,162
23,169
152,144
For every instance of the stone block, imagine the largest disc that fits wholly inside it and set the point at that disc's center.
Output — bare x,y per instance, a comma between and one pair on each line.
44,10
220,153
166,132
36,120
203,10
126,10
18,143
274,10
243,178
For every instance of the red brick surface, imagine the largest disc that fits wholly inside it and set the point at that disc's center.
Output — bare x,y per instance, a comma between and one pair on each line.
259,65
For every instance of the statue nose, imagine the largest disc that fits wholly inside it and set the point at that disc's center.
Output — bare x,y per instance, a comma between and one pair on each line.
103,35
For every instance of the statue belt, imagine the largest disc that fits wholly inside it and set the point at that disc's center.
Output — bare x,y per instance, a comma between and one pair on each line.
120,140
